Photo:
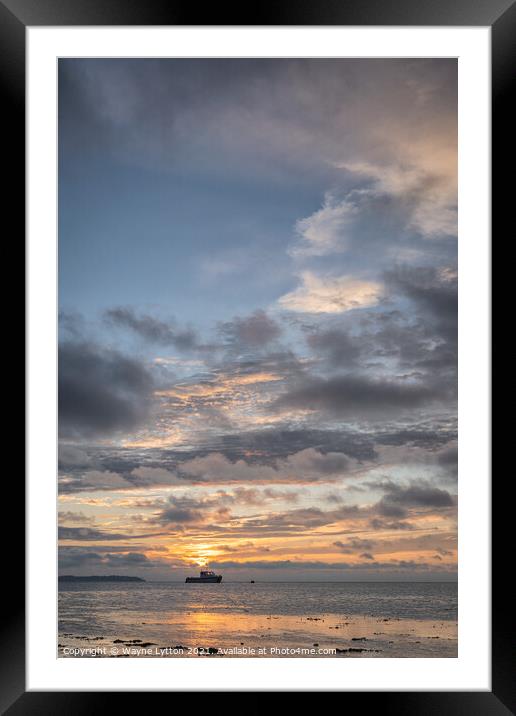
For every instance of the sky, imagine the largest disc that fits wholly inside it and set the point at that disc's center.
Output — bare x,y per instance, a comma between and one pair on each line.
258,318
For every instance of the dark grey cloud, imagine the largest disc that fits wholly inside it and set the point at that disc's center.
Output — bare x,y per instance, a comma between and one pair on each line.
448,461
340,566
214,113
359,395
416,330
386,508
379,524
324,464
304,518
420,495
396,338
354,545
306,466
71,456
435,293
177,510
278,442
341,350
79,558
72,325
399,498
431,288
89,534
254,331
152,329
282,360
429,437
258,445
263,447
129,559
69,516
184,510
177,515
100,390
448,458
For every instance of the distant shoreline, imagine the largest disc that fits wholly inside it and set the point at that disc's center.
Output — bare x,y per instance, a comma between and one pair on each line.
115,578
99,578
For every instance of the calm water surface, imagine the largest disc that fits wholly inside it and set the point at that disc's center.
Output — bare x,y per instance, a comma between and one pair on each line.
261,619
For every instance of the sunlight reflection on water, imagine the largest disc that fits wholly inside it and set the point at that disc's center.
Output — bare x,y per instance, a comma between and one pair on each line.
382,619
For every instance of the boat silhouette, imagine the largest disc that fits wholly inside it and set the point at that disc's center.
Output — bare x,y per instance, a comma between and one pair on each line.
205,576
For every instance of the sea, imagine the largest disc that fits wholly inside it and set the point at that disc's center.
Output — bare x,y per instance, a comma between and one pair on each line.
257,620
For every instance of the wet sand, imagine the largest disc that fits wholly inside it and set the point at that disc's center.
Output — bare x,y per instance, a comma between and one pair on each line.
205,634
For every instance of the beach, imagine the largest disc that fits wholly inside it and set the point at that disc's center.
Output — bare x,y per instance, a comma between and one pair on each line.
271,620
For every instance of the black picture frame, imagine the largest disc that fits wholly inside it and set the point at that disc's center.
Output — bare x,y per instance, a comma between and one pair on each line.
15,17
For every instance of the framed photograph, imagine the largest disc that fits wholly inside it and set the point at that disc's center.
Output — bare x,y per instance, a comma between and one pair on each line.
258,366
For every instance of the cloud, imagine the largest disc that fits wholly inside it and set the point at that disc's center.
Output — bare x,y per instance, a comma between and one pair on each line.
72,325
308,465
174,515
293,116
68,516
271,447
424,436
80,558
152,329
88,534
419,495
72,456
266,456
448,459
327,230
379,524
386,508
449,456
326,294
242,546
103,479
254,331
223,387
354,545
129,479
337,345
422,494
408,198
154,476
254,496
101,391
288,564
429,198
444,552
312,462
357,396
435,293
279,442
215,467
191,511
304,518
